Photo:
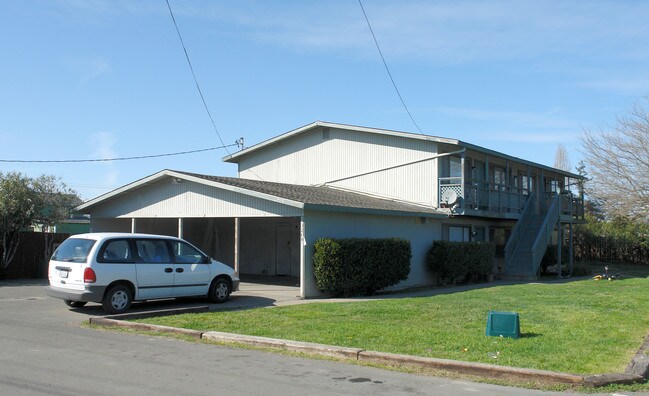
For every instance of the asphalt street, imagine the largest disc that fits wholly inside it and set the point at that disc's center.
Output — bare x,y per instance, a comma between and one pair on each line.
45,350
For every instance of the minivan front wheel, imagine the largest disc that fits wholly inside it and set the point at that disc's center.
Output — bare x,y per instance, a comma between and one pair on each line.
117,300
219,290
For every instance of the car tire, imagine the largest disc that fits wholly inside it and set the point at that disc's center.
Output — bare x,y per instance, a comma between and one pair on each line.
117,300
219,290
74,304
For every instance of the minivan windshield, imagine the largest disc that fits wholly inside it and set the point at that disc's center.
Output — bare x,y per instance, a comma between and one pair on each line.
73,250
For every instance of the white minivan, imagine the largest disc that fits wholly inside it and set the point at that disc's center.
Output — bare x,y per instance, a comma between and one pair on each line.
115,269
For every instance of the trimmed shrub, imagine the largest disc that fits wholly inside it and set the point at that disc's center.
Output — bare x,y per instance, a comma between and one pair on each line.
345,267
455,261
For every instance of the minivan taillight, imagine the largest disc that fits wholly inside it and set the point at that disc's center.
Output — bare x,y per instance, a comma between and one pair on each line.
89,275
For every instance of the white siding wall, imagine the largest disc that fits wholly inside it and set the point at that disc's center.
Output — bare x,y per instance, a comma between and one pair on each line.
348,225
188,199
312,158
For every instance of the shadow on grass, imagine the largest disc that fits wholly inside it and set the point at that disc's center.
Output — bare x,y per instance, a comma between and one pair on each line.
531,335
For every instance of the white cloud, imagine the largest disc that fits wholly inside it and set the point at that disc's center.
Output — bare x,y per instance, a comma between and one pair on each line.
525,120
443,32
101,144
91,69
638,85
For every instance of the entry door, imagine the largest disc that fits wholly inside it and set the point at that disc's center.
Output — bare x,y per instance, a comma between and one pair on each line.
283,250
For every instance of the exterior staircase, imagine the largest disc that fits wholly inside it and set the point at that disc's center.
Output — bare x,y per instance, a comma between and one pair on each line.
529,240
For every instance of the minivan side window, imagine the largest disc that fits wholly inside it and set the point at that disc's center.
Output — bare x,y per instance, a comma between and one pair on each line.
187,254
152,250
115,251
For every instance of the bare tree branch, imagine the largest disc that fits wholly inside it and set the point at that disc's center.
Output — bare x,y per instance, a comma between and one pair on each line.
618,162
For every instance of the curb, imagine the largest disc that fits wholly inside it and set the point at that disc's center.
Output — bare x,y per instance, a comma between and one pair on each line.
480,369
389,359
294,346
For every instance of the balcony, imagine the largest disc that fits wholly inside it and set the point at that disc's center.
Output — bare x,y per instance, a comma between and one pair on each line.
482,198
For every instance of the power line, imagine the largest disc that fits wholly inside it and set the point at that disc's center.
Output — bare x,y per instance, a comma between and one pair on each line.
388,69
119,158
200,92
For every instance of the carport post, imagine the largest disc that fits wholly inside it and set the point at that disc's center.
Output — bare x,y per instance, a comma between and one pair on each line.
237,234
180,227
133,225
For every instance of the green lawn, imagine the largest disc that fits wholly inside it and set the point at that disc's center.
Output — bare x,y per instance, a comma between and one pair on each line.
581,327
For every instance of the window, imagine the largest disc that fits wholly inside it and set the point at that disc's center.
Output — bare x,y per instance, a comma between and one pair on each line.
115,251
73,250
499,179
184,253
455,167
152,250
456,233
479,234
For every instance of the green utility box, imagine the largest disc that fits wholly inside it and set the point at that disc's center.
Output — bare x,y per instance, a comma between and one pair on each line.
505,324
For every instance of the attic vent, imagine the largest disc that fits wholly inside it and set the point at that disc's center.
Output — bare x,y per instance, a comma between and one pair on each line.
325,133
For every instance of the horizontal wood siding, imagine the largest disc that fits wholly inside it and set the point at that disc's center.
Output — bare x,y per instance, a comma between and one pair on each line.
188,199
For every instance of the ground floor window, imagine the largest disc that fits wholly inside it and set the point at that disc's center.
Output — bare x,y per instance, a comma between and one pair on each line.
456,233
479,234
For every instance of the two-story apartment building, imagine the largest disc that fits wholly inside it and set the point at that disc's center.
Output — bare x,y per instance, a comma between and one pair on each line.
333,180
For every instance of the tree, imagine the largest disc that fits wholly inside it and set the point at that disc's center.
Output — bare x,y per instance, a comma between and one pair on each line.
618,160
18,202
592,207
55,201
561,160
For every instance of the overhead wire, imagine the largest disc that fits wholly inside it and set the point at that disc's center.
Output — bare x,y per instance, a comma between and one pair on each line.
189,62
394,84
118,158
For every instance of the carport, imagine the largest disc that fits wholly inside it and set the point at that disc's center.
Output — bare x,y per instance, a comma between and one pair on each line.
258,237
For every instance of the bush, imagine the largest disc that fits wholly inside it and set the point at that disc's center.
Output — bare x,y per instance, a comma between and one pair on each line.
345,267
461,260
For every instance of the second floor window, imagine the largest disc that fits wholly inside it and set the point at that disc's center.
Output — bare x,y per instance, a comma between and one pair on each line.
499,179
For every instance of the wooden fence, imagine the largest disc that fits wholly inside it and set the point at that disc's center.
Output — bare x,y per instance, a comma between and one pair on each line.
30,261
609,250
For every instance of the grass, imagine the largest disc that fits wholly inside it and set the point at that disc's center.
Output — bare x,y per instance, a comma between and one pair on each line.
581,327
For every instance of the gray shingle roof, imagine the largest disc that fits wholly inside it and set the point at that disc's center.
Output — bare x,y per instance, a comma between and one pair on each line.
321,196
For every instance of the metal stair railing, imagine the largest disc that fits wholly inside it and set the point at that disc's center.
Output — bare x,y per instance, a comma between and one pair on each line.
545,232
512,244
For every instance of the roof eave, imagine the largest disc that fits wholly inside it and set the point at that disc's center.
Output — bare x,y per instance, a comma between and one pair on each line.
385,212
174,174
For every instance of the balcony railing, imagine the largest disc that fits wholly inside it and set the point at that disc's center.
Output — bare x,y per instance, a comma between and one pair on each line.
485,196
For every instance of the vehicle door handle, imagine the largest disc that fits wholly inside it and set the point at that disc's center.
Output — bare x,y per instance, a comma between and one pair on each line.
179,270
168,270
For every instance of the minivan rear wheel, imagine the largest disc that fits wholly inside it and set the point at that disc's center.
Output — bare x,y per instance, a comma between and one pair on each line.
117,300
74,304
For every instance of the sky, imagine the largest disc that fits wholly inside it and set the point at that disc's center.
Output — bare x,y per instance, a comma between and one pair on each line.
95,79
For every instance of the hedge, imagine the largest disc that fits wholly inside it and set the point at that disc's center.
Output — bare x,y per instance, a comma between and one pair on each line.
345,267
455,261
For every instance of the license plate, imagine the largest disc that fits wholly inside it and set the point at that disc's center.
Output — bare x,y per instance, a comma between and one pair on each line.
63,274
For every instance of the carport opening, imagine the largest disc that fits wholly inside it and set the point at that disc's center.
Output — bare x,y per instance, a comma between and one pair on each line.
269,248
